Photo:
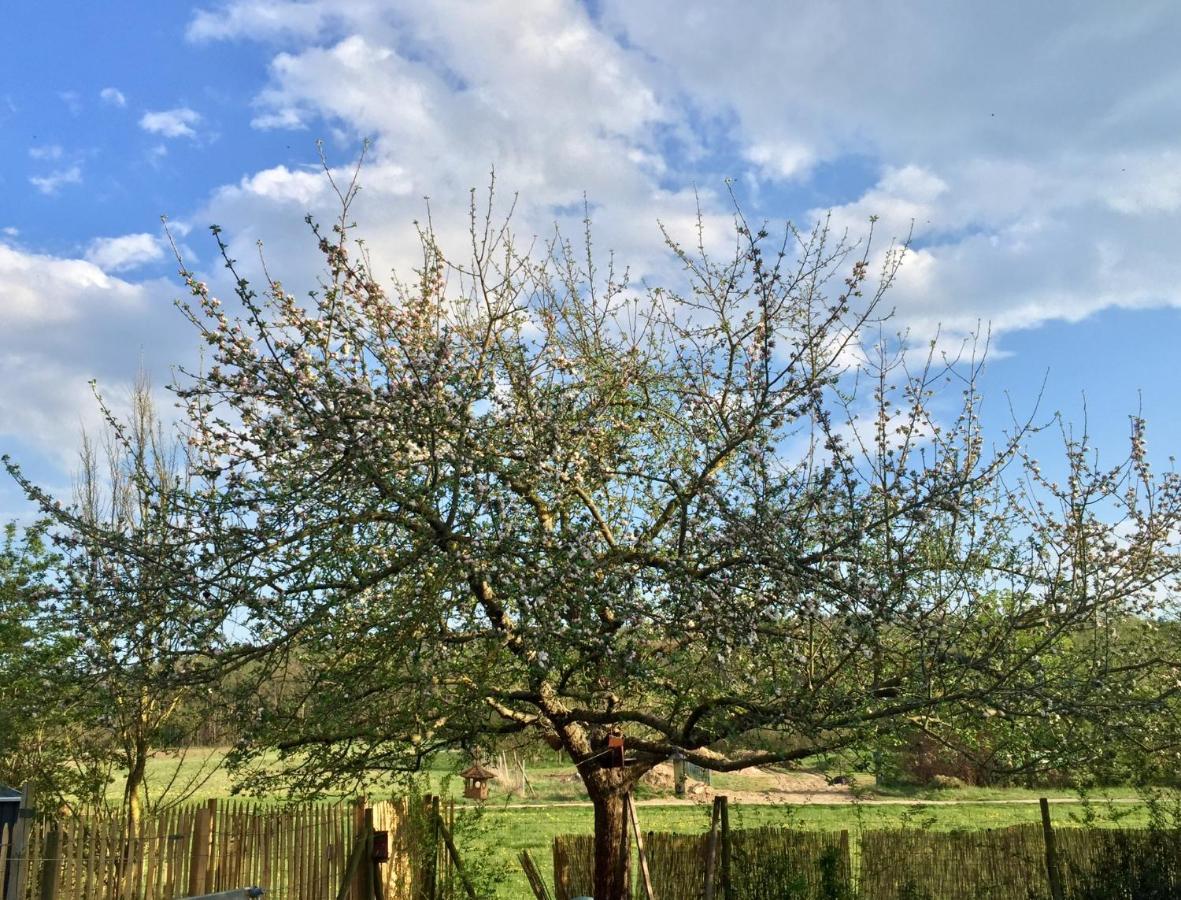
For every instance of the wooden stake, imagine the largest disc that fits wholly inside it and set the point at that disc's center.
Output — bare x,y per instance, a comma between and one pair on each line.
711,852
359,871
376,888
210,860
446,833
647,876
534,877
1052,873
354,861
727,889
51,864
436,822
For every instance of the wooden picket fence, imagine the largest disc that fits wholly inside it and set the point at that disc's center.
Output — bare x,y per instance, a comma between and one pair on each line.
296,852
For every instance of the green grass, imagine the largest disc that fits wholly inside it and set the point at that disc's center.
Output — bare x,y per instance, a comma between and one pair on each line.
502,831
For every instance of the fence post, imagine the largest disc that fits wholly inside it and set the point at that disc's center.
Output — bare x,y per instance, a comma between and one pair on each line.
727,889
1052,873
373,873
212,861
436,821
711,850
51,863
846,861
360,878
199,852
19,849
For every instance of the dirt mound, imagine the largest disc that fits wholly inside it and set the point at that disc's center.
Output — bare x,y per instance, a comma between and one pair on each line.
659,777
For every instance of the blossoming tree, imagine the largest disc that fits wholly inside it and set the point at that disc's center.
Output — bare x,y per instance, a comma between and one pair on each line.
719,518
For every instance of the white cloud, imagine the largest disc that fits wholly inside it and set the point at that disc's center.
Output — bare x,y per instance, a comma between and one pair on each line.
447,91
261,19
1038,185
305,188
279,118
46,151
72,101
128,251
171,123
37,288
50,184
67,321
112,96
780,159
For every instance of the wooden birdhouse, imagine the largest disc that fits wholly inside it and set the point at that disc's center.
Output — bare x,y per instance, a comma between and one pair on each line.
475,781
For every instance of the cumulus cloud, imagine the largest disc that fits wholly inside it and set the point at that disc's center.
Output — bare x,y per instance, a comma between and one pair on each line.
780,159
53,182
447,91
171,123
261,18
1035,185
67,321
37,288
1034,165
128,251
112,96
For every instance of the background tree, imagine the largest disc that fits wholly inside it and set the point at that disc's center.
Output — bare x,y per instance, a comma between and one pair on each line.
123,612
721,518
132,614
46,736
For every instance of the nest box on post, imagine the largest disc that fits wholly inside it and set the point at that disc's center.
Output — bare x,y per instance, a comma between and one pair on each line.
475,781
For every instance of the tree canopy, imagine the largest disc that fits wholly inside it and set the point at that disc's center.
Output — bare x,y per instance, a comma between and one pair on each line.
729,518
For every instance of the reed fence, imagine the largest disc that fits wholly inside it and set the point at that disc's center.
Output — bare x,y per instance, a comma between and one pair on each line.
902,864
765,862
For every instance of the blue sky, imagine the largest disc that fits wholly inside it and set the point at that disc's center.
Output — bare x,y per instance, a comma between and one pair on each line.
1034,147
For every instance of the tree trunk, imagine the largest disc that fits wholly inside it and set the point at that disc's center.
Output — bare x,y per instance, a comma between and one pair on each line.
131,790
612,848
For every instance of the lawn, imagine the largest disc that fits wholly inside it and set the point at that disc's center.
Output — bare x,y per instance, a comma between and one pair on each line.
554,806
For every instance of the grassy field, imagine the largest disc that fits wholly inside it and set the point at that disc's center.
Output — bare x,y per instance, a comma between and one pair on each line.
502,833
506,825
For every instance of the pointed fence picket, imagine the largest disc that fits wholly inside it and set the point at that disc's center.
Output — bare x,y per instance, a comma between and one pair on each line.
293,851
